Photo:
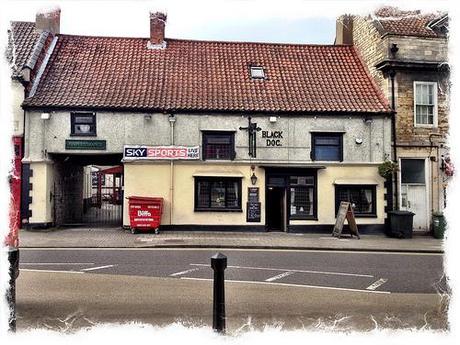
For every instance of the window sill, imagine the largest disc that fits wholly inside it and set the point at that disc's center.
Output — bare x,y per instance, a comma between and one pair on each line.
218,210
365,215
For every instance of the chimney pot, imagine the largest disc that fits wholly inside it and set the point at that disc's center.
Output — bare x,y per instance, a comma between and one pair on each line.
157,30
49,20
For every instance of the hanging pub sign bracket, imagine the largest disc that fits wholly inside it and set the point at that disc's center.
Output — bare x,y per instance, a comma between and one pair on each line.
345,212
252,130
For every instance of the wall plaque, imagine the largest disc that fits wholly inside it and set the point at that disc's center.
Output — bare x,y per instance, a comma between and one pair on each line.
85,145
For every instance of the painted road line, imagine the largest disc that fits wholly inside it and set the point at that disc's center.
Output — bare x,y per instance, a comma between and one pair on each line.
184,272
279,276
56,263
292,285
97,268
376,284
294,271
210,249
48,271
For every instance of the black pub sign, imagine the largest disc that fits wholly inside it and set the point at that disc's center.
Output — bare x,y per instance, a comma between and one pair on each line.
272,138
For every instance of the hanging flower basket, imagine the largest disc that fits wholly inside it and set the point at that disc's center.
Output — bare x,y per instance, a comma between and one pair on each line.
387,168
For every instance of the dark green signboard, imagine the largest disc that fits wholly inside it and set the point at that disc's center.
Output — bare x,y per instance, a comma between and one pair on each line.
85,144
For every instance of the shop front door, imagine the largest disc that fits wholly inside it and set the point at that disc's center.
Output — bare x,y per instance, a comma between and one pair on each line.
275,211
414,191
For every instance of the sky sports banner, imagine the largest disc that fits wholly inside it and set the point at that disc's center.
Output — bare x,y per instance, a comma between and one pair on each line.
135,152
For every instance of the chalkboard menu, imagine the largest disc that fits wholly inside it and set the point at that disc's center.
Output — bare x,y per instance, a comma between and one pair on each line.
253,212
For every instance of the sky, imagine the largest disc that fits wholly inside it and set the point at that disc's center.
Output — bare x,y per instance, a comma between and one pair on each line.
287,21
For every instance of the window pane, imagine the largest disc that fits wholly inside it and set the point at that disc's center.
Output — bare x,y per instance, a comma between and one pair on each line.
412,171
418,93
302,180
203,194
301,201
232,194
360,197
218,194
218,146
327,153
327,141
84,119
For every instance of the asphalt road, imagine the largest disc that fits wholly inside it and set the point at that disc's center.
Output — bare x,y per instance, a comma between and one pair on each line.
378,273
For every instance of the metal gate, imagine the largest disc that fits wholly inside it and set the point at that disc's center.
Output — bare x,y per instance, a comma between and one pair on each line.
87,197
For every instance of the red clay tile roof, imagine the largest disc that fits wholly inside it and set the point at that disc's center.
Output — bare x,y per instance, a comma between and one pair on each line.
23,37
407,23
121,73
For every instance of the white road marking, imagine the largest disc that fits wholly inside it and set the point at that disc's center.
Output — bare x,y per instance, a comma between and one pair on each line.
292,285
376,284
341,251
96,268
184,272
294,271
49,271
279,276
56,263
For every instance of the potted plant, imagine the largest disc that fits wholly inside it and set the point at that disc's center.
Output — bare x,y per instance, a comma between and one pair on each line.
387,168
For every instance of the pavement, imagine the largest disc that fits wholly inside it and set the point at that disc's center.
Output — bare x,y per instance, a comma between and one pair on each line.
88,237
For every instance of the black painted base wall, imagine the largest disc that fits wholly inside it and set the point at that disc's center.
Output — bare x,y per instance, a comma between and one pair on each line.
306,229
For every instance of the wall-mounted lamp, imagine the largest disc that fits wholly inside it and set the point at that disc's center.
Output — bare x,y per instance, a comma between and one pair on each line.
253,179
147,117
172,118
45,116
273,119
367,120
394,49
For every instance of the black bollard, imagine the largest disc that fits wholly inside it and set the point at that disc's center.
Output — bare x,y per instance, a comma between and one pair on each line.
219,264
13,258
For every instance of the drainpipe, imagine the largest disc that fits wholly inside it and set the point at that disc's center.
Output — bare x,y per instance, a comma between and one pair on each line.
393,130
172,120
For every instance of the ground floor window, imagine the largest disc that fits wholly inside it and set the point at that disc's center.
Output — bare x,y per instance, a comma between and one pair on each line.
301,190
217,194
361,197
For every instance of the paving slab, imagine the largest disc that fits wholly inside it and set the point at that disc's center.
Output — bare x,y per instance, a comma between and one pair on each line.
120,238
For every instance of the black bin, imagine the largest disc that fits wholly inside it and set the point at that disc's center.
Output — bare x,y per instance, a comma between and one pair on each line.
401,224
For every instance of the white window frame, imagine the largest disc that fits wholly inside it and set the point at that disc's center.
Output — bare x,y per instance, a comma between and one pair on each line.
257,68
435,104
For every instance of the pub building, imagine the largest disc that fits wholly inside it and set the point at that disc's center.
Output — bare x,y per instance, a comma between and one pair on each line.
235,136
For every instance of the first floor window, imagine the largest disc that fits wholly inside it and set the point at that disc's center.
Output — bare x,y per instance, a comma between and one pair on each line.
327,147
217,194
301,191
219,145
83,124
425,103
362,199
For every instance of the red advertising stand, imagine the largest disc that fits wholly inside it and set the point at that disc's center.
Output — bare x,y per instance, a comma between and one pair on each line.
145,213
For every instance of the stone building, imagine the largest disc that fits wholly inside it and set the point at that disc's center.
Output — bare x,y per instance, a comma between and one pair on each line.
233,135
406,53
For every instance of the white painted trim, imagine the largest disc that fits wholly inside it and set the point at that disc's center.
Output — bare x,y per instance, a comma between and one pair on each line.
435,107
291,285
96,268
50,271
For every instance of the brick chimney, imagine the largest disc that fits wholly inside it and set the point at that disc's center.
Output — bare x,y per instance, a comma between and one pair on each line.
157,30
49,20
344,30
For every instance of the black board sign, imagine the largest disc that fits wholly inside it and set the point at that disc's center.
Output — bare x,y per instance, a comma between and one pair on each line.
253,212
345,212
253,194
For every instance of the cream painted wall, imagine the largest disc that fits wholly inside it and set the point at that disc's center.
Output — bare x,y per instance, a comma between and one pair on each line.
43,181
153,179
